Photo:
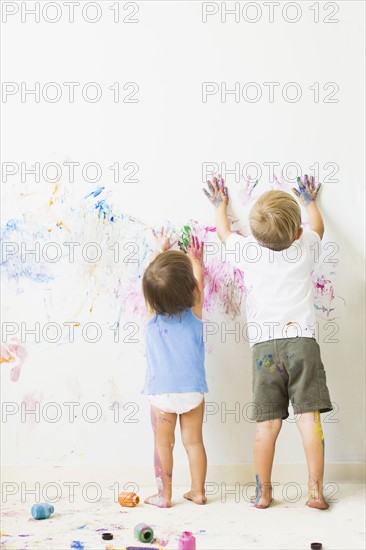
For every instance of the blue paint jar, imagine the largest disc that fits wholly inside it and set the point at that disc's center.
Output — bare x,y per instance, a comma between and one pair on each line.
42,510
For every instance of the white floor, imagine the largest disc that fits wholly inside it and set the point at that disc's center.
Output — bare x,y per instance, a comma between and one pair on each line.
218,525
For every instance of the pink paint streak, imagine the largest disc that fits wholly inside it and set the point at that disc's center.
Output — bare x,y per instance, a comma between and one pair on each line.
10,354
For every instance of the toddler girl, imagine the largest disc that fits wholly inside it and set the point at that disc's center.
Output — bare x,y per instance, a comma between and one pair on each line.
175,377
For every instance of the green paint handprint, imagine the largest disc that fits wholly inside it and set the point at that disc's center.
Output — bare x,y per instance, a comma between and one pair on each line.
185,238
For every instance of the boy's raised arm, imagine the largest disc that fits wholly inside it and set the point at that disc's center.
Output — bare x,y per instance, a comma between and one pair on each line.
307,193
218,196
315,219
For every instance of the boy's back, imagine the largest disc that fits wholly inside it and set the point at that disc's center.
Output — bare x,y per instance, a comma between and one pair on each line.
280,298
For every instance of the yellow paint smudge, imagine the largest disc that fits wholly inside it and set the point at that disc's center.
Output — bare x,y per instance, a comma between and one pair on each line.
61,224
6,356
51,202
318,426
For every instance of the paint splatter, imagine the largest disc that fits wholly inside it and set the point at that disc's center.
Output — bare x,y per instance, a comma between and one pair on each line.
185,238
113,280
321,284
13,353
31,406
258,489
318,431
270,365
245,194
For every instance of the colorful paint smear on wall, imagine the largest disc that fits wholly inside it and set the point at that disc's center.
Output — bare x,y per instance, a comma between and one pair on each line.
78,256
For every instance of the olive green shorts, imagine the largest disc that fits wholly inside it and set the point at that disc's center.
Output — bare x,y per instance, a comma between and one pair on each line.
288,369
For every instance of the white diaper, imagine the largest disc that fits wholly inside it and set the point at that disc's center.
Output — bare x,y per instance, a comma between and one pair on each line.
178,403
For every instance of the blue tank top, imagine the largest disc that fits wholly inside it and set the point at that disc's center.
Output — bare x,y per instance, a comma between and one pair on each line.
175,354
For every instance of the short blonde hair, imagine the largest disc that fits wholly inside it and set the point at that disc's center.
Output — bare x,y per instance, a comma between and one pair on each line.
275,220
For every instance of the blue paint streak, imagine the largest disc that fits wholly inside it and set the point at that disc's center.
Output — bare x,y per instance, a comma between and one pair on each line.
9,227
103,209
258,489
95,193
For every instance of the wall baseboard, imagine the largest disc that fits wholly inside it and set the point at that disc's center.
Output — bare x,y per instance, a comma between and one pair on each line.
142,475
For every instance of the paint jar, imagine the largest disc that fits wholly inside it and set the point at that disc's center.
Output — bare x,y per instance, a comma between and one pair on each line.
144,533
187,541
42,510
128,499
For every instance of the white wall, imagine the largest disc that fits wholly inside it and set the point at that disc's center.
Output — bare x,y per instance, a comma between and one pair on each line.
170,133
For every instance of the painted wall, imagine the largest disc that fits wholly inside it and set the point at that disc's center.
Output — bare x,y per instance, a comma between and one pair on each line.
167,129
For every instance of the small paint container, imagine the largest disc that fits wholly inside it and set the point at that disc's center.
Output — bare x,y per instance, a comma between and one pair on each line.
143,532
42,510
187,541
128,499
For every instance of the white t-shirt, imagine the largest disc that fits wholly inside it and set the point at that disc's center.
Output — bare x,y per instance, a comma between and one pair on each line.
279,289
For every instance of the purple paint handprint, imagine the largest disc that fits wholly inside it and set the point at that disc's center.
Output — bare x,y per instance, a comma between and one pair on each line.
308,190
219,193
195,249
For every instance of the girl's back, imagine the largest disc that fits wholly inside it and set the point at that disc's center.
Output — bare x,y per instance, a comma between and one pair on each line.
175,354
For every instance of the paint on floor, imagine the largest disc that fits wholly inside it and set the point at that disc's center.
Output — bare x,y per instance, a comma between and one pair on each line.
225,522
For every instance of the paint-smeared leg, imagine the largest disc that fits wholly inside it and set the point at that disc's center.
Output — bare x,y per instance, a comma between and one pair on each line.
163,424
264,448
311,431
191,431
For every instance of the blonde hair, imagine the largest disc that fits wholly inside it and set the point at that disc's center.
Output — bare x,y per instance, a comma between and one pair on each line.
275,220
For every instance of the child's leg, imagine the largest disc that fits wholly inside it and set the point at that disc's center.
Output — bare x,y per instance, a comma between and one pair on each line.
163,424
191,431
311,431
264,448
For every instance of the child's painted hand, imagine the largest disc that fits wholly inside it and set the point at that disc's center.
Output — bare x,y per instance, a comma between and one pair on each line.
307,191
164,239
219,193
195,249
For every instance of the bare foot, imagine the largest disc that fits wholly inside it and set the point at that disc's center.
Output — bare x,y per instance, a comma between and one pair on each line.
197,498
262,503
318,503
159,500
